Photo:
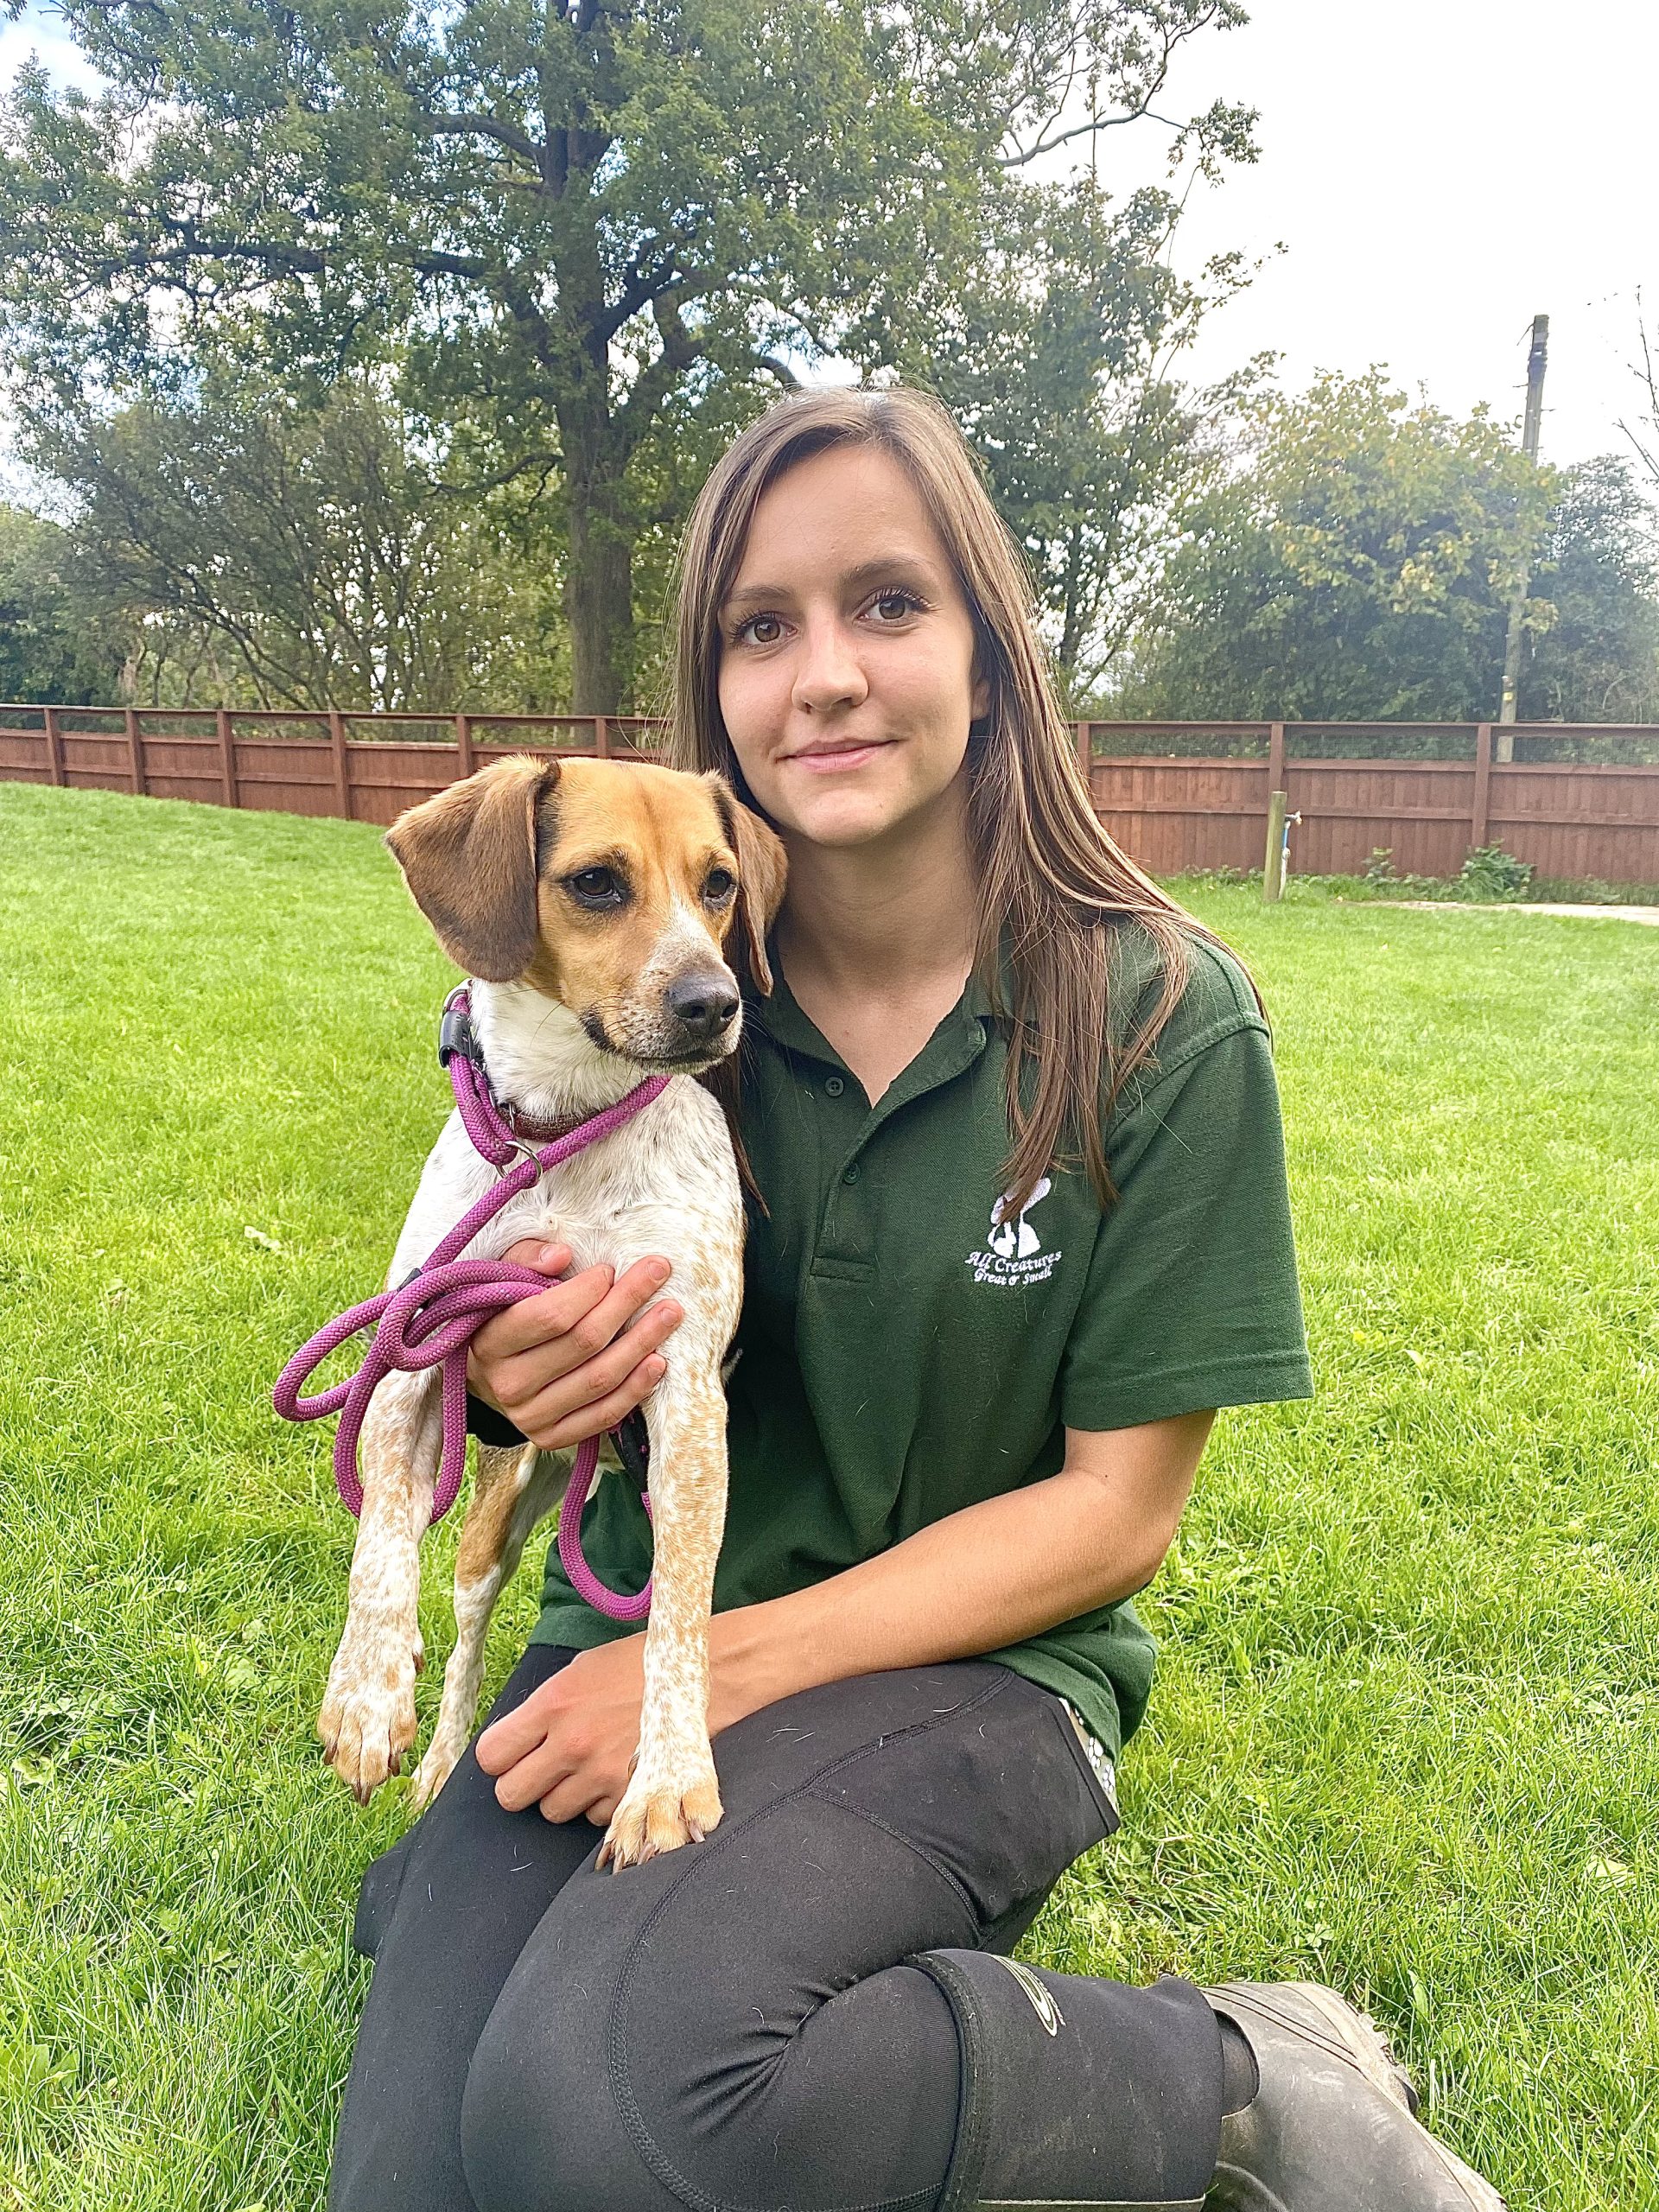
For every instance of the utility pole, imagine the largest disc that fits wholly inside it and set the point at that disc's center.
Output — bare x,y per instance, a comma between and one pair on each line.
1532,422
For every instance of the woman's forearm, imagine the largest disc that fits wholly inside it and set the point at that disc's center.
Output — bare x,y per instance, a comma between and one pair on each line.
986,1576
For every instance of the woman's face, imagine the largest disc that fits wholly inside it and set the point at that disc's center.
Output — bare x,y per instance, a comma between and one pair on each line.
847,652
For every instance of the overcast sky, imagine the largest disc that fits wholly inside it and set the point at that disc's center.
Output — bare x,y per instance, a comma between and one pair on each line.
1438,171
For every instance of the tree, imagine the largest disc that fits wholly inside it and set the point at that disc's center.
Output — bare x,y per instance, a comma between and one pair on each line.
1355,562
309,556
1598,661
54,648
1059,365
564,214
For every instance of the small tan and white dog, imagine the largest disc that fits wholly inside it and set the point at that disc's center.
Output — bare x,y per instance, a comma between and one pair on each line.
592,903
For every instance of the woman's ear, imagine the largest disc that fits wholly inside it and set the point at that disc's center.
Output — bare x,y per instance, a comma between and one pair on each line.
762,866
469,856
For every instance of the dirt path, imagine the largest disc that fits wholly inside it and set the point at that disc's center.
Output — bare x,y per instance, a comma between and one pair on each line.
1648,914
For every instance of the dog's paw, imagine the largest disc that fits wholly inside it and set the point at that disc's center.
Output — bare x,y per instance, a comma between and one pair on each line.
650,1820
367,1721
437,1767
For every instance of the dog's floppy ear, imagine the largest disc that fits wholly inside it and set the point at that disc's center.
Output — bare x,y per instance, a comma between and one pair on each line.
469,856
762,865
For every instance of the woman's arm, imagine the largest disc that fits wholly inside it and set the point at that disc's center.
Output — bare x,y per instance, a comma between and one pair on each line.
985,1577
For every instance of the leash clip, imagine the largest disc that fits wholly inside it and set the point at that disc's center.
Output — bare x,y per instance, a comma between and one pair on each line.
456,1036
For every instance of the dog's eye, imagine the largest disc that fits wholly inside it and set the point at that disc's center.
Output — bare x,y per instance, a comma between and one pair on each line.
720,886
596,887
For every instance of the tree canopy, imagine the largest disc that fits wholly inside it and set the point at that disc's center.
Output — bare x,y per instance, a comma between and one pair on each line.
1597,660
1355,562
569,224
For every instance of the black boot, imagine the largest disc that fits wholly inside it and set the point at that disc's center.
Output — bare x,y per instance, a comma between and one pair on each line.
1332,2120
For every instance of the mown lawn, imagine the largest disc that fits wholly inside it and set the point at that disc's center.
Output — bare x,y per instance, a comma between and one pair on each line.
1405,1733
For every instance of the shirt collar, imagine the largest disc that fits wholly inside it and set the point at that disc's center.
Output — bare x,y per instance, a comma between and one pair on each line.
959,1039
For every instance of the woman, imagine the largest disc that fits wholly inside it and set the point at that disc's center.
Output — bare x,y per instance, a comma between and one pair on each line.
1012,1117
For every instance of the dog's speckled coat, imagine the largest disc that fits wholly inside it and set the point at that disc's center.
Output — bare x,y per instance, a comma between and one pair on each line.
488,862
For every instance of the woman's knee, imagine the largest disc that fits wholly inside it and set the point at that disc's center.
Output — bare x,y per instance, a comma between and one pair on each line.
541,2126
615,2081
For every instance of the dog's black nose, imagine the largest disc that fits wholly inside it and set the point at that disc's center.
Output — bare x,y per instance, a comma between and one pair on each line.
703,1005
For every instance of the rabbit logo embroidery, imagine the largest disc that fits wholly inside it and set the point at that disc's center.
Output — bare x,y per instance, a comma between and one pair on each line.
1014,1256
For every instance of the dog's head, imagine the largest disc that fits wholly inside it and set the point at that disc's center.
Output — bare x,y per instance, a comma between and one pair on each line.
615,888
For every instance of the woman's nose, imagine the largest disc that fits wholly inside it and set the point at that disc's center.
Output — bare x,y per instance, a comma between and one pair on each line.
830,674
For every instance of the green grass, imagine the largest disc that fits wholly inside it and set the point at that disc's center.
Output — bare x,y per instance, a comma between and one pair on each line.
1404,1735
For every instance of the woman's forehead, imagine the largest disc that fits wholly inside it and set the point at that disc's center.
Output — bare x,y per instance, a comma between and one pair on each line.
838,511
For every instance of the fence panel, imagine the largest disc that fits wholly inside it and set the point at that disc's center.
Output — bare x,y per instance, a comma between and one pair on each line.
1171,815
1174,795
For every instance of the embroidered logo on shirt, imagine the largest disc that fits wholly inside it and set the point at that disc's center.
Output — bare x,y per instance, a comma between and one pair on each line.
1014,1253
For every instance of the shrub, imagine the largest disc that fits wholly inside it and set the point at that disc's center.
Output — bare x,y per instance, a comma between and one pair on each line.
1489,872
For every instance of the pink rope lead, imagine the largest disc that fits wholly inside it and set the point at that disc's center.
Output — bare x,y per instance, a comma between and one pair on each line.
429,1320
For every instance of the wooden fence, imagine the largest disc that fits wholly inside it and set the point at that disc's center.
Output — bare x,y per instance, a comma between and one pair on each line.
1174,795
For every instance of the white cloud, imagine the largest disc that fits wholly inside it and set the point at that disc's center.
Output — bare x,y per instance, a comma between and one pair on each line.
39,33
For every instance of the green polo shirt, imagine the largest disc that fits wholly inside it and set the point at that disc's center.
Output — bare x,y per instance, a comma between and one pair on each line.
906,1352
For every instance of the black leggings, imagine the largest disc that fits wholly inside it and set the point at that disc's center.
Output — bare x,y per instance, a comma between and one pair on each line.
813,2010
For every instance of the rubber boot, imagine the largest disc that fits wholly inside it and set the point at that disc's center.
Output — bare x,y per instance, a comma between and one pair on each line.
1332,2121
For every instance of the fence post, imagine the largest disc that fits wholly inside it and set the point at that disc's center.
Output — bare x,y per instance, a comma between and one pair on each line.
135,751
1273,865
463,747
342,763
601,737
1483,786
1085,736
54,748
227,753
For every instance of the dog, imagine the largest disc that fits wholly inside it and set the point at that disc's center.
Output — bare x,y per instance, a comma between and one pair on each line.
593,904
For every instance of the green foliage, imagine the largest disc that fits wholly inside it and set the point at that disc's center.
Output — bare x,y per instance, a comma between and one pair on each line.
1487,873
1356,563
560,227
1597,659
1059,364
269,553
54,645
1404,1733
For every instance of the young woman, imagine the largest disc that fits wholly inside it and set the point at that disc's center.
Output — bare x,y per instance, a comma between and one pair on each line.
1012,1118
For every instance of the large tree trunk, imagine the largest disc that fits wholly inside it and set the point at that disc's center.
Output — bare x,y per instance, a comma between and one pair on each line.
598,604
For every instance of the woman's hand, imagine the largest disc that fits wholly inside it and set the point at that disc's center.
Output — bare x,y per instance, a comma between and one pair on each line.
569,1745
571,1361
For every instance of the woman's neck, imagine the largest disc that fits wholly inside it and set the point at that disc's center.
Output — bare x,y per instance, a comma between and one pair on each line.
879,919
877,942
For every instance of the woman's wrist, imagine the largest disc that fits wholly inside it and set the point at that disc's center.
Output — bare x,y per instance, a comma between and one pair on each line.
753,1661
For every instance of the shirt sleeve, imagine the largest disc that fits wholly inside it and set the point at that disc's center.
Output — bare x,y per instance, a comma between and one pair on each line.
1191,1299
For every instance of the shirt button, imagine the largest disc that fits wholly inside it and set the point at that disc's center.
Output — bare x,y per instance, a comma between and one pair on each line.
851,1176
833,1086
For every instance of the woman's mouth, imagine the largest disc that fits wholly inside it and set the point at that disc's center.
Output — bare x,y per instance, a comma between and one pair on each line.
837,758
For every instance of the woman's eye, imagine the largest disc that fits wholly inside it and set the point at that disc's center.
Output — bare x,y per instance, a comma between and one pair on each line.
757,625
596,887
720,886
895,606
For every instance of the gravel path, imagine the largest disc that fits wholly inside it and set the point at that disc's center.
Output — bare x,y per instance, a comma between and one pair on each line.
1648,914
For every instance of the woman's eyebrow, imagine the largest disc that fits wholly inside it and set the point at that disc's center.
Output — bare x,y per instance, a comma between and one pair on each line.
899,566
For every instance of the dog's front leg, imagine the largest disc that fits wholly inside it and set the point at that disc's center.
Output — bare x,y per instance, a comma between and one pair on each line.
673,1798
515,1487
367,1721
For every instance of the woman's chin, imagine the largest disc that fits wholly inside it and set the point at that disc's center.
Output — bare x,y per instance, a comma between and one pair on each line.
843,821
855,816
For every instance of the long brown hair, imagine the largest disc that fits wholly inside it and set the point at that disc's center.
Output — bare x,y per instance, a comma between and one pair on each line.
1050,882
